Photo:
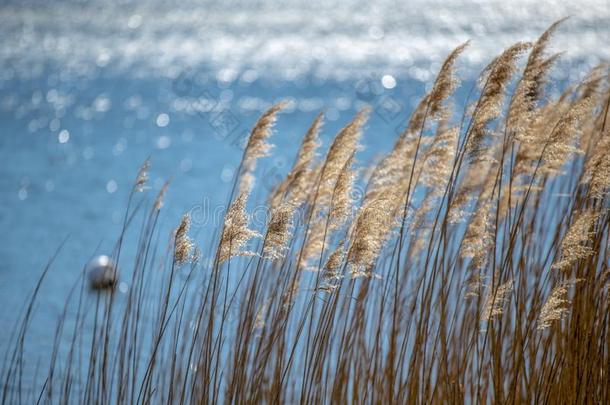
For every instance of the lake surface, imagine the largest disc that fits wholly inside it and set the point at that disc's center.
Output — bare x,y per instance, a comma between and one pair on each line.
89,90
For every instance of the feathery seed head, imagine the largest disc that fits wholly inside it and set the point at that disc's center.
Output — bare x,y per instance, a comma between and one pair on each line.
597,169
257,145
335,260
183,244
574,244
142,178
494,80
235,232
479,236
556,306
530,86
341,205
562,142
372,228
314,244
494,304
445,83
161,196
296,186
343,146
279,231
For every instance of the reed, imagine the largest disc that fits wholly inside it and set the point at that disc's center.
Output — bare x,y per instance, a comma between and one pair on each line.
460,276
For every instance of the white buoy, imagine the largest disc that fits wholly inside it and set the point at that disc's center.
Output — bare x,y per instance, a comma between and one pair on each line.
102,272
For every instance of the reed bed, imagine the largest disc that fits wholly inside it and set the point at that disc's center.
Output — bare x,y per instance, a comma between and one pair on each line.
472,269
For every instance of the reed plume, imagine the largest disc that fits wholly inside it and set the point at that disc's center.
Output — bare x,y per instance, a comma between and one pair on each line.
489,106
597,169
235,232
472,186
392,173
496,300
556,307
142,179
299,181
438,160
574,244
535,138
343,147
315,242
345,144
445,84
563,140
331,274
478,239
336,259
342,203
373,225
390,181
279,231
257,146
161,196
530,88
183,244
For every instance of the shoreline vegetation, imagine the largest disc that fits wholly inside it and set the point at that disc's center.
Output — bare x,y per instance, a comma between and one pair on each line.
472,266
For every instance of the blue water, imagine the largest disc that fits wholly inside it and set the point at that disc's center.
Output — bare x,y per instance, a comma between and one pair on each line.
79,188
89,90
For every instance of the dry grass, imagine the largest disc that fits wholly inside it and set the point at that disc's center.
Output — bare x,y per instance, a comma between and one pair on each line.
461,276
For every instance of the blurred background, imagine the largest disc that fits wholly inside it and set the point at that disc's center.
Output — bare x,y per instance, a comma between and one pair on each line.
90,89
